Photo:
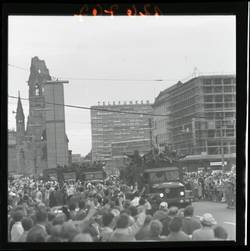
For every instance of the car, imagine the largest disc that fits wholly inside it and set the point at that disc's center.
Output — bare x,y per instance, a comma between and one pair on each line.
173,193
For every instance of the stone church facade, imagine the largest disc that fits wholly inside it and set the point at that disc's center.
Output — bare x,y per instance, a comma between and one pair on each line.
43,144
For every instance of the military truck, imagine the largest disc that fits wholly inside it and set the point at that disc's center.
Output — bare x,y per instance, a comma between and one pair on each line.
62,174
165,184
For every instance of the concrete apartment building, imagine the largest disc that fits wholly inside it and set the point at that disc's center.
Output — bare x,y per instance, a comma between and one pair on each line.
200,119
120,127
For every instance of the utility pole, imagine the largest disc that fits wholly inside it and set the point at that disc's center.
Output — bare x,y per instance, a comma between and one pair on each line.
151,136
222,147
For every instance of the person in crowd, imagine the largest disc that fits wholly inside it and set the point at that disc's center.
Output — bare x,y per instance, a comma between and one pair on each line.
80,215
39,195
172,212
111,212
36,235
27,224
144,232
189,223
176,233
220,233
69,231
41,218
162,213
82,238
206,232
155,231
72,210
123,231
17,228
108,221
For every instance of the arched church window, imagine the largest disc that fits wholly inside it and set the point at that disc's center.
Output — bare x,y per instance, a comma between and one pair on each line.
44,136
37,90
22,154
44,153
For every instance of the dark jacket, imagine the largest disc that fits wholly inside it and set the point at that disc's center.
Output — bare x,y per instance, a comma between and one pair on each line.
189,225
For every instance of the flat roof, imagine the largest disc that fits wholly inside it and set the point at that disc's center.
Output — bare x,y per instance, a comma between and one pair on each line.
179,83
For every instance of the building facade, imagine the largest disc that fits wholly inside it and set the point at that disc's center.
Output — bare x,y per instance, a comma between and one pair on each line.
125,122
12,153
200,119
43,144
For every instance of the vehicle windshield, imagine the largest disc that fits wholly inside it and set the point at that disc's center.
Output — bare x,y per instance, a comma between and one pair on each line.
169,192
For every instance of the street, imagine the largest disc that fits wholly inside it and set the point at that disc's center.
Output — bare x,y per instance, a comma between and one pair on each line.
225,217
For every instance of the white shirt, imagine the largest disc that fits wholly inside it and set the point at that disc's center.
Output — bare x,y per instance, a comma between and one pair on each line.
16,231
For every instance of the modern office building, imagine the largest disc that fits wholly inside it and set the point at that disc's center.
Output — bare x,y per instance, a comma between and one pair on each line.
200,119
117,124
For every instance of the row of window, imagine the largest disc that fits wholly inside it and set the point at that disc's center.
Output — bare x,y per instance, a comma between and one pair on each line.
218,81
219,89
219,98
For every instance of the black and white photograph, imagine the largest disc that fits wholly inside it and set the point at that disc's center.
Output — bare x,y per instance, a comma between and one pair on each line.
121,128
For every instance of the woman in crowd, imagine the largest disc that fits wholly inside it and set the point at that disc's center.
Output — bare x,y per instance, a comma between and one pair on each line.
106,213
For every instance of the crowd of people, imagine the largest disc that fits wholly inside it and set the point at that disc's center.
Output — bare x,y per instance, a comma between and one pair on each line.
46,211
215,186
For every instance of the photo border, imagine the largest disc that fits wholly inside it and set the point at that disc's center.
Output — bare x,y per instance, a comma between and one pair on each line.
239,9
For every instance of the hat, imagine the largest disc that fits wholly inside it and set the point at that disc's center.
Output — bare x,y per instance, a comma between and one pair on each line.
164,205
115,212
208,219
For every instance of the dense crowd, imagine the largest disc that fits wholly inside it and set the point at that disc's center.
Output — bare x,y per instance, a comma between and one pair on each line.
42,211
215,186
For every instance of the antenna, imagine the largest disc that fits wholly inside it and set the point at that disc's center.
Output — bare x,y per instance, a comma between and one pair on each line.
195,72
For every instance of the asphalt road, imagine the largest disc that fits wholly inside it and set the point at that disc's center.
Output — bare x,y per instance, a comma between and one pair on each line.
224,216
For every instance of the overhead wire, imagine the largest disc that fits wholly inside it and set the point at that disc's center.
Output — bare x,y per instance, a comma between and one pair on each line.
101,79
95,108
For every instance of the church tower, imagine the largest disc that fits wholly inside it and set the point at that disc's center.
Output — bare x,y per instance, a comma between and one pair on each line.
20,137
20,122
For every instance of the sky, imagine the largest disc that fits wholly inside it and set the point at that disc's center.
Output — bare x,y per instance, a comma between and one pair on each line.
115,59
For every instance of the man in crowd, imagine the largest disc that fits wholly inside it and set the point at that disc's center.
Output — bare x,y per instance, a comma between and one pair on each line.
100,213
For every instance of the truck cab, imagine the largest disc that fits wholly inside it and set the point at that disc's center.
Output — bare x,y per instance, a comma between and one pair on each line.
164,184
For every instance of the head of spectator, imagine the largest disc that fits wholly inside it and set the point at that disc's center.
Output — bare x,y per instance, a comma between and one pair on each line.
81,204
163,206
27,223
51,216
180,213
108,220
133,211
82,238
220,233
173,211
17,215
36,235
115,212
207,220
59,219
189,211
53,239
155,228
56,230
69,231
72,206
41,215
175,225
123,221
126,204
